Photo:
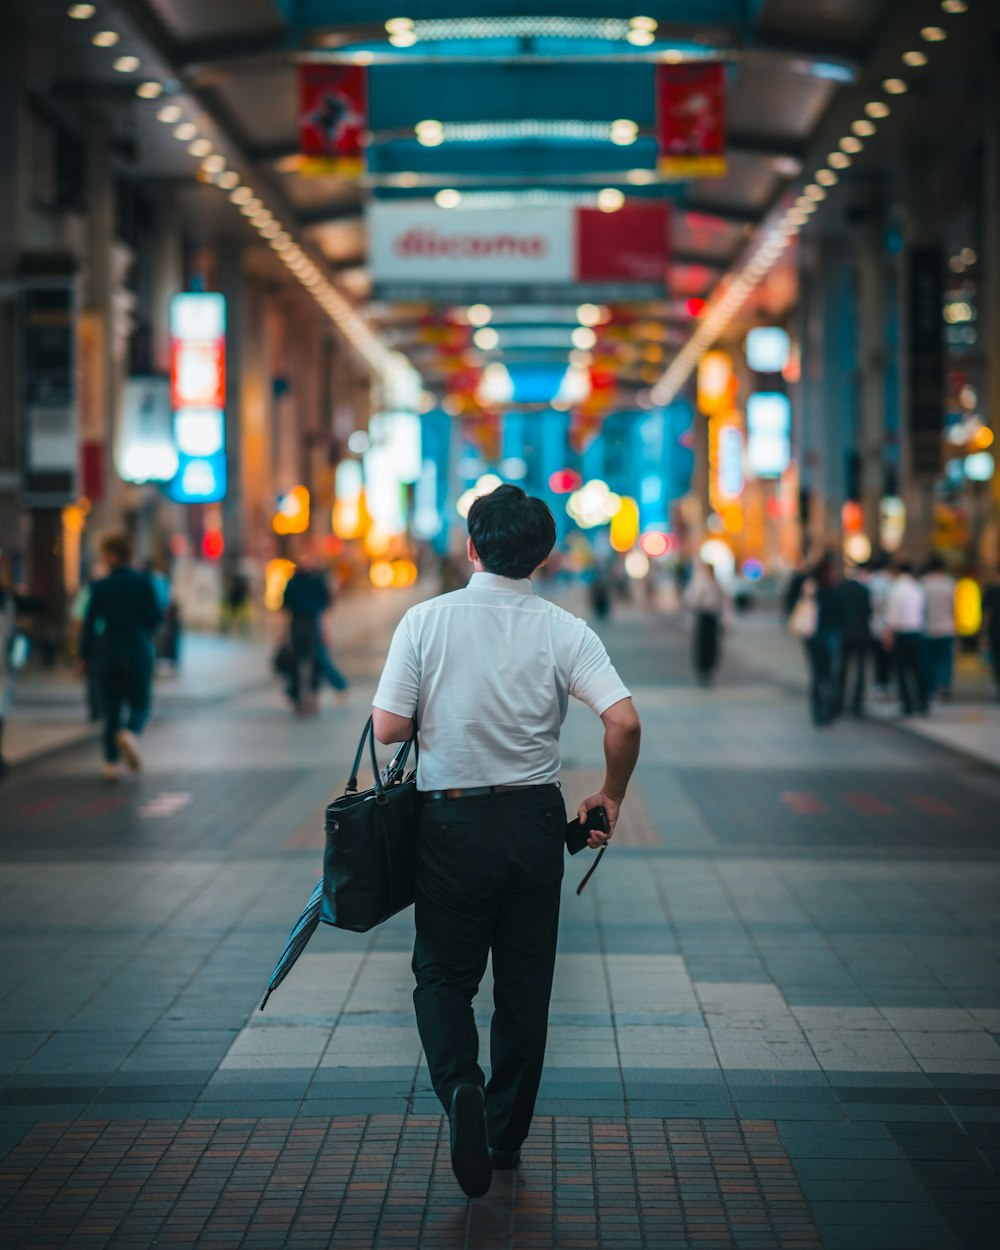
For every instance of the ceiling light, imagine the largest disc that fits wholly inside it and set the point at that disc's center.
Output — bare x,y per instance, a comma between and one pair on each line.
877,109
169,113
126,64
241,195
271,230
429,133
395,24
610,199
915,58
486,339
262,217
623,132
403,39
591,314
282,239
185,131
641,177
640,38
815,192
933,34
643,23
478,314
863,127
200,147
229,179
584,338
250,207
213,164
896,86
105,38
826,177
954,6
149,90
80,12
850,144
839,160
448,197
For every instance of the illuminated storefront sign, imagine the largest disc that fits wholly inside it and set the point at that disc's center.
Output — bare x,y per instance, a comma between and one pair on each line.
769,423
198,396
146,450
767,349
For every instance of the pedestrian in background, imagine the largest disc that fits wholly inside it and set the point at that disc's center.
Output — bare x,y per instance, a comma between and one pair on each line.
905,615
306,599
879,582
991,625
122,616
939,595
487,674
855,614
817,617
8,629
705,600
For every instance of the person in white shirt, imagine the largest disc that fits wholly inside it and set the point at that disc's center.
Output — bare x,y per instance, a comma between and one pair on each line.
939,594
484,676
879,584
904,622
705,600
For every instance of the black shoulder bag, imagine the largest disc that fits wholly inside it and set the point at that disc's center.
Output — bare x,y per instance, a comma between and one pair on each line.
370,843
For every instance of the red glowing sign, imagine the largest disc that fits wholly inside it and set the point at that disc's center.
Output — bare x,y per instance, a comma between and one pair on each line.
655,543
198,374
563,481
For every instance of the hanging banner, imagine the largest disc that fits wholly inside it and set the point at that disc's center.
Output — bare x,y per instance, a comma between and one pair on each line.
333,119
691,119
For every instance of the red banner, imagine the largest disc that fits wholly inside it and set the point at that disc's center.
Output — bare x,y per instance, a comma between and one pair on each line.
333,118
691,119
630,245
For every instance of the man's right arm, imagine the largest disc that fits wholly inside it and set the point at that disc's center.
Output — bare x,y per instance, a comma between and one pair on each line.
622,735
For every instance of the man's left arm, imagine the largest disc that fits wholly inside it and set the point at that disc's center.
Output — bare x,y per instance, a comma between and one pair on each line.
395,703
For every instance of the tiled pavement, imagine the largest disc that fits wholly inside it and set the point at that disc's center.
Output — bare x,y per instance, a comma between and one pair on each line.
775,1020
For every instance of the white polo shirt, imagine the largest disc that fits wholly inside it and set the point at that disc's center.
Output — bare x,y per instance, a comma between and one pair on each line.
488,672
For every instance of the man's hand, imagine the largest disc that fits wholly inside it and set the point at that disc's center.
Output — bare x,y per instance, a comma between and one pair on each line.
611,806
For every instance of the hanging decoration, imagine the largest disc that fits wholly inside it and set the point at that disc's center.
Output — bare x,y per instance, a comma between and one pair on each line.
691,119
333,119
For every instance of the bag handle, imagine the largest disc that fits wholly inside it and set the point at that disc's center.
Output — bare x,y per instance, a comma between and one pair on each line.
394,768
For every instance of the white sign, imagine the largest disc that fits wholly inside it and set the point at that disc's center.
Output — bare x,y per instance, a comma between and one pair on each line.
145,451
769,420
416,241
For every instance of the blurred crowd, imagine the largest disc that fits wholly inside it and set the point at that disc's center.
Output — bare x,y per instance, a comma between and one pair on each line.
885,620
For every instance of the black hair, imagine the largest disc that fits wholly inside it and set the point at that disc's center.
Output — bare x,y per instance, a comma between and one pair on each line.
512,532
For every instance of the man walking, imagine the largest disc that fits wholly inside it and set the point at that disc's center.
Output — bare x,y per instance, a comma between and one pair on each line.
904,620
487,673
117,639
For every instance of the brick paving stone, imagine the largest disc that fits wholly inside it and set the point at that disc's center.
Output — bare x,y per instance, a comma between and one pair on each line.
385,1181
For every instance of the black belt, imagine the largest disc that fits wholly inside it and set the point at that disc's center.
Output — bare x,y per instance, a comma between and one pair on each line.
475,792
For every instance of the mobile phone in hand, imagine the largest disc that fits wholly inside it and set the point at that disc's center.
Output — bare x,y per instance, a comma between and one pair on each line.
577,834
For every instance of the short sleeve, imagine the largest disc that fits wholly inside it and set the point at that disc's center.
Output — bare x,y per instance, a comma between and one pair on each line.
399,687
593,679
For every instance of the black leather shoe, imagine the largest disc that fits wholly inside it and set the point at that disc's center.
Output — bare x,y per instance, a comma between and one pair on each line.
504,1160
470,1152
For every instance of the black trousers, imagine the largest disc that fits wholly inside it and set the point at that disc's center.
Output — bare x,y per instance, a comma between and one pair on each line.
908,655
488,873
854,660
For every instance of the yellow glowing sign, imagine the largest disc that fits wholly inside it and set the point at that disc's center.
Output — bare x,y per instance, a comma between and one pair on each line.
716,382
968,608
381,574
292,516
625,525
276,575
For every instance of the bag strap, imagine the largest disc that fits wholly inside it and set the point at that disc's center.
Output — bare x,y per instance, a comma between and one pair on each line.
394,769
352,781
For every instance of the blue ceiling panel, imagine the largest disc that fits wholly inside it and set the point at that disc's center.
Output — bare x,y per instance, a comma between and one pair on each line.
403,94
356,12
535,158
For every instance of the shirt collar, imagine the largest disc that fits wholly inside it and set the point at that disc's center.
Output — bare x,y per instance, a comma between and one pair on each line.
492,581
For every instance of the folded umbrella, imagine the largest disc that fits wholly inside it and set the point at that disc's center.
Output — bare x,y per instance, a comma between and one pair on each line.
298,939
